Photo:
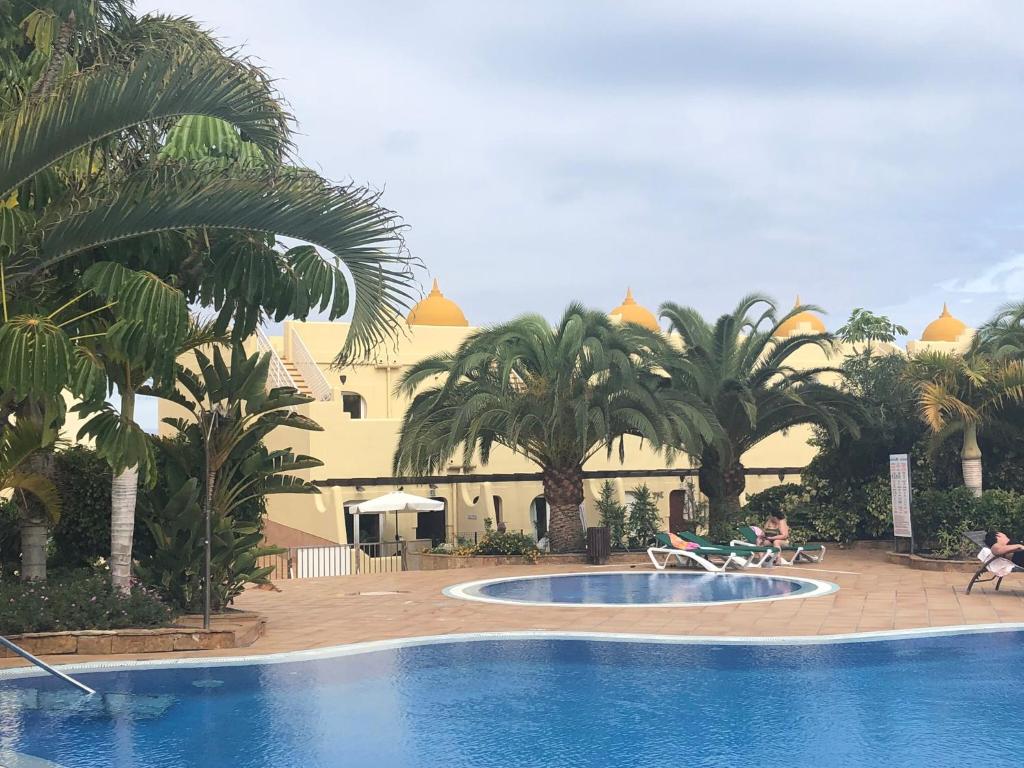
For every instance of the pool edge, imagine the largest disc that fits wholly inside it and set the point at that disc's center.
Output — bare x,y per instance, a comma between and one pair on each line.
373,646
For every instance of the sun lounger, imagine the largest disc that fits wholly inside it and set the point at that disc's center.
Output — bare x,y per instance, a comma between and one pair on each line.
993,567
800,551
757,556
730,557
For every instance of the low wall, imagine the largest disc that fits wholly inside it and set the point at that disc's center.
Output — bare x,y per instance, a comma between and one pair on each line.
238,629
919,563
424,561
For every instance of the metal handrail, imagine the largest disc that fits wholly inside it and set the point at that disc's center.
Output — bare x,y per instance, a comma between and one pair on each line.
44,666
311,373
278,375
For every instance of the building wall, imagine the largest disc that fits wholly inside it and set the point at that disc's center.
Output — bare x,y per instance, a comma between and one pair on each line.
354,448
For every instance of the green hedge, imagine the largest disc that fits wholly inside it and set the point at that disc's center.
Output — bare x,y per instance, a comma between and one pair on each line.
83,533
76,600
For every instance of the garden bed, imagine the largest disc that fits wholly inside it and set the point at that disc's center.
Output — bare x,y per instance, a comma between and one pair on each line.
235,629
425,561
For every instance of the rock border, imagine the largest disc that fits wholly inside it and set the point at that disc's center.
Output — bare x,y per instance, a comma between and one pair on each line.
237,629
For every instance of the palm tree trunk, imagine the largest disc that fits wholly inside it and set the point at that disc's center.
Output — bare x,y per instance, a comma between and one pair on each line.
722,486
970,459
33,548
35,522
123,492
563,489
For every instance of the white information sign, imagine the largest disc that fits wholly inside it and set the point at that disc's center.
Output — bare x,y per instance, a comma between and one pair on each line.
899,479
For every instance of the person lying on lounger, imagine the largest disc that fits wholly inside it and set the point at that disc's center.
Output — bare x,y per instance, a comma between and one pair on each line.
1001,546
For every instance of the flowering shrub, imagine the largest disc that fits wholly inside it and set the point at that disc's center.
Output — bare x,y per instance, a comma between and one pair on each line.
76,600
492,543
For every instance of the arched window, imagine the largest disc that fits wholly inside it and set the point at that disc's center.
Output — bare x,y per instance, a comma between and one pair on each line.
353,404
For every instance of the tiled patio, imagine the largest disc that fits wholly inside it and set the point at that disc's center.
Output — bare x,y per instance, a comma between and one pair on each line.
873,595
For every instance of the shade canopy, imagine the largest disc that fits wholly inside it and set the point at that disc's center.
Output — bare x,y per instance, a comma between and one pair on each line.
398,501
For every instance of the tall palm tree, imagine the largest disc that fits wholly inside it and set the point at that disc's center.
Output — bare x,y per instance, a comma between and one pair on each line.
555,395
1002,336
966,394
746,377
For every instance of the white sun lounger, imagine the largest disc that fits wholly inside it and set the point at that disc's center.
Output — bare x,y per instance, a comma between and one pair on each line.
662,556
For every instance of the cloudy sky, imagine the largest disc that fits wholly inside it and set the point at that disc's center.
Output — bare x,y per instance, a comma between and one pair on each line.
565,149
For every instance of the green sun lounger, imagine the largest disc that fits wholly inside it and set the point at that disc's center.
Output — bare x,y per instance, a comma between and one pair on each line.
730,557
750,551
814,553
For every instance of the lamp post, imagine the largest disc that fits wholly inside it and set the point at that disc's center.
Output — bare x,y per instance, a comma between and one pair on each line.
207,512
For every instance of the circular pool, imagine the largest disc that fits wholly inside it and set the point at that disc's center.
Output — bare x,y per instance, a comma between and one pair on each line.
636,589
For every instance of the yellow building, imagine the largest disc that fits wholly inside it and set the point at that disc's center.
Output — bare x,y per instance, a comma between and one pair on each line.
361,418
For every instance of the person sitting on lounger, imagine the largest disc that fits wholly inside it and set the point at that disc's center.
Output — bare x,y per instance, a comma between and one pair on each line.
1001,546
776,522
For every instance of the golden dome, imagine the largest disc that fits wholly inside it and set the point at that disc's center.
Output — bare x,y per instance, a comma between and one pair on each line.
631,312
795,323
435,309
945,328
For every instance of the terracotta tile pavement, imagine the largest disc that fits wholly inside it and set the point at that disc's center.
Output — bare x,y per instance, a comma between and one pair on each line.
873,595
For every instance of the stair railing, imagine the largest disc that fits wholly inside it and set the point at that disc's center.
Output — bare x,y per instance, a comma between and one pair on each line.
309,370
278,375
44,666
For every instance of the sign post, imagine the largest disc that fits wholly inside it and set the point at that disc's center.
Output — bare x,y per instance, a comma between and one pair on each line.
899,480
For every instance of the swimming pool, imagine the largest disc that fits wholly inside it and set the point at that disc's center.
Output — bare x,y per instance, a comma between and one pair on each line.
624,589
539,700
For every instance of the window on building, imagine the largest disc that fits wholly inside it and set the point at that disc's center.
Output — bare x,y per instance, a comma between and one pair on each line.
353,404
499,517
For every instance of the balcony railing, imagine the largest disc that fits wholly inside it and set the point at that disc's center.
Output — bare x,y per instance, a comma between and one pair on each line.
318,384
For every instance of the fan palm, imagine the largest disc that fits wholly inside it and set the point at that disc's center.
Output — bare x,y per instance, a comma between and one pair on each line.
555,395
965,394
746,377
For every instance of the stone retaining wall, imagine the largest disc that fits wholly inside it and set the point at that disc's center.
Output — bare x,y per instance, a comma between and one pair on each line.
424,561
238,629
928,564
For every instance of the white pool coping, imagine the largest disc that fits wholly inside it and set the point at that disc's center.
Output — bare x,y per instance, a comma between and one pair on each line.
374,646
469,590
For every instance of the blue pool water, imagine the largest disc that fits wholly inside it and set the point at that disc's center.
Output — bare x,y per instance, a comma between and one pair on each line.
639,588
566,703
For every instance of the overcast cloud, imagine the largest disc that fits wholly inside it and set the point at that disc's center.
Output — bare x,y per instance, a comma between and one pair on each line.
548,151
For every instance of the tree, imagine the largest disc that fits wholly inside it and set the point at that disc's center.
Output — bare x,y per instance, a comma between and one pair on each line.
1002,337
644,518
746,377
966,394
18,444
555,395
613,514
141,143
865,326
232,414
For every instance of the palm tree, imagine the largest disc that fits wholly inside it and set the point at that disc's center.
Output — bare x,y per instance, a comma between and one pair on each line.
19,444
123,163
555,395
1002,337
965,393
746,377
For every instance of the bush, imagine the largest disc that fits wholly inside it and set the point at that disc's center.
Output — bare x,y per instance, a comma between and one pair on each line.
175,565
82,535
10,537
77,600
495,543
644,518
613,514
